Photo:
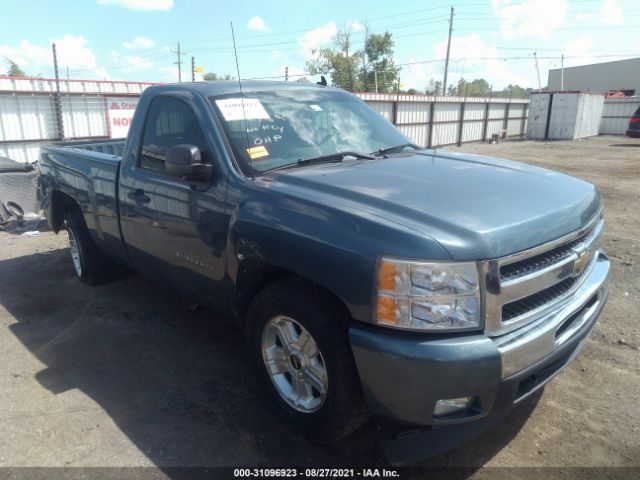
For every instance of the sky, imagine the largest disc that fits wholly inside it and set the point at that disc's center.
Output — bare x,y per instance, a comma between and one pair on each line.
137,40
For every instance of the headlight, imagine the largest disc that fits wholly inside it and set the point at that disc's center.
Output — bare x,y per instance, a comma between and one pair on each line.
427,295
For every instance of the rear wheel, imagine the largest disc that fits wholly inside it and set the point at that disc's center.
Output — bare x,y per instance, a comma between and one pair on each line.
298,336
90,265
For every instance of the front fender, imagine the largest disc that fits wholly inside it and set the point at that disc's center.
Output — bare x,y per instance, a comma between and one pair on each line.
328,244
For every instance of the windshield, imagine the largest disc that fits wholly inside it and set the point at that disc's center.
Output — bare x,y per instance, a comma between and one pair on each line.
289,125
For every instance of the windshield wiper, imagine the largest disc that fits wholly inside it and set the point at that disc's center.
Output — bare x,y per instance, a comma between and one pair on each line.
383,151
330,158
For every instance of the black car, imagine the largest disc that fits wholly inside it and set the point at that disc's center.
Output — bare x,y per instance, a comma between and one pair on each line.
634,125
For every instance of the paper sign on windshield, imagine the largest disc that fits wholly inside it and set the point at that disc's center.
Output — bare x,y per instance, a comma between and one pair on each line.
231,109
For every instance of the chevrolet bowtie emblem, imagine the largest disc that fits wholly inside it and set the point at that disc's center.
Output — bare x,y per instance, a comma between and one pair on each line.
582,261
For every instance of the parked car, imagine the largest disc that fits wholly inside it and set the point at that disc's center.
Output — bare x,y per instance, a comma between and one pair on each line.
634,125
371,275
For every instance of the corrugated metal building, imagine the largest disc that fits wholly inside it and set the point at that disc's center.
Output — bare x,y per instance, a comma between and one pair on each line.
599,77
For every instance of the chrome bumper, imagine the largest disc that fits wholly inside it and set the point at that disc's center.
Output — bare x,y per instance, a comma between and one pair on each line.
530,344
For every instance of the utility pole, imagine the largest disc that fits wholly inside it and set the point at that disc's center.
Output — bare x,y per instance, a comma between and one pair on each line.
535,56
286,73
58,98
446,63
349,65
364,57
375,78
193,69
180,53
562,72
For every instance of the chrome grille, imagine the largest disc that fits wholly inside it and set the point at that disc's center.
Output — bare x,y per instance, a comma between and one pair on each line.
521,287
537,300
538,262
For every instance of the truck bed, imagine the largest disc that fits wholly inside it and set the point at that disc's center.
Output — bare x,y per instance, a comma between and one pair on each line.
88,173
109,147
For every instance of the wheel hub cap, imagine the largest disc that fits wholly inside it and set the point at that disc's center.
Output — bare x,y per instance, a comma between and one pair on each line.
294,364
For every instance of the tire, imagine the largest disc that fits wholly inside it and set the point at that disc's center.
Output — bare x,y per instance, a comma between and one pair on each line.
90,265
322,416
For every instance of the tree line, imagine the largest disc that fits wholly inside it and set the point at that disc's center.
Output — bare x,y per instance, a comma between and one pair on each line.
373,69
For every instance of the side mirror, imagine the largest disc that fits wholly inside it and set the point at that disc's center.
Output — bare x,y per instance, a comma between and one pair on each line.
185,161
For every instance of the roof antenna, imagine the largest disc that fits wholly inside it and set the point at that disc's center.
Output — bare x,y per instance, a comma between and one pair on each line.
323,81
244,115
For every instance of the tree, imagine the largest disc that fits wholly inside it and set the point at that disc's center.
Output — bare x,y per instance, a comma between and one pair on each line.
379,64
477,88
434,87
515,91
341,62
212,76
14,69
358,70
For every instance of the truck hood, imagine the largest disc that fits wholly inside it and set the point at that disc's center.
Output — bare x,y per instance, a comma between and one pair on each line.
476,207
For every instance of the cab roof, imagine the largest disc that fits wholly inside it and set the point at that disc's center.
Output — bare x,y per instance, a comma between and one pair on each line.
225,87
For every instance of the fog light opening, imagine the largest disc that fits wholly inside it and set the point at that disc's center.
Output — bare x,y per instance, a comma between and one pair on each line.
452,405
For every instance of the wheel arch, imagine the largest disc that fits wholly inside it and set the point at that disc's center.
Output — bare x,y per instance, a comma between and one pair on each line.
59,204
254,275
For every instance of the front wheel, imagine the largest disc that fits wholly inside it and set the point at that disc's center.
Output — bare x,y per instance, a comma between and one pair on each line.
298,336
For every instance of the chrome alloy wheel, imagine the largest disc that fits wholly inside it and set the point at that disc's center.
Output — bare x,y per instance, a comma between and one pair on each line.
295,364
75,252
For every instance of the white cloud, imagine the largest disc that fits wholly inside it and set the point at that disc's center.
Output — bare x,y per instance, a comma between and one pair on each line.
140,4
139,43
417,75
318,37
612,13
471,59
130,63
530,18
584,17
257,23
72,52
27,55
355,26
170,74
276,54
579,51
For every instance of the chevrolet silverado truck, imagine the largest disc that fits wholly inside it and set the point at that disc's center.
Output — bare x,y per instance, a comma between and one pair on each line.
429,287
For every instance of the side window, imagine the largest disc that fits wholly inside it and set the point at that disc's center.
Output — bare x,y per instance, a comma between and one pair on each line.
169,122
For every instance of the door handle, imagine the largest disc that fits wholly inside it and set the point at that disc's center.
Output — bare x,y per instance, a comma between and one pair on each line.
139,197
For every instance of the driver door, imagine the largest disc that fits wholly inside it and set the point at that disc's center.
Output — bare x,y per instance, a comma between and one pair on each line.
174,230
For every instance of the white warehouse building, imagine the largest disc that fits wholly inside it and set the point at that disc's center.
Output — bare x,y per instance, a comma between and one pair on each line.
598,77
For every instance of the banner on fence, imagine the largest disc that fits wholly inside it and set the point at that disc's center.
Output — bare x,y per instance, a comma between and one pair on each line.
119,115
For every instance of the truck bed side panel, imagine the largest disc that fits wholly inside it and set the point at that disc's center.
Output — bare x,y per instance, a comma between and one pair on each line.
90,179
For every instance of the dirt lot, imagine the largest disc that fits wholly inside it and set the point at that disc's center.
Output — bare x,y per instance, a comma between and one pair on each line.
124,375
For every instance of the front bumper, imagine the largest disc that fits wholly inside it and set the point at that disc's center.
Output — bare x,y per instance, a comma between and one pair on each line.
403,375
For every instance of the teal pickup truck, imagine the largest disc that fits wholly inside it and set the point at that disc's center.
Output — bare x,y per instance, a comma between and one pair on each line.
429,287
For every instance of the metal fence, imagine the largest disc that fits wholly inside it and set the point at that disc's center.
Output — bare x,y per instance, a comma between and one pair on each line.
436,121
616,115
33,113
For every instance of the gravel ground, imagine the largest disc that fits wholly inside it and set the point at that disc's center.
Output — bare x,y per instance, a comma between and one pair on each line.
124,375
